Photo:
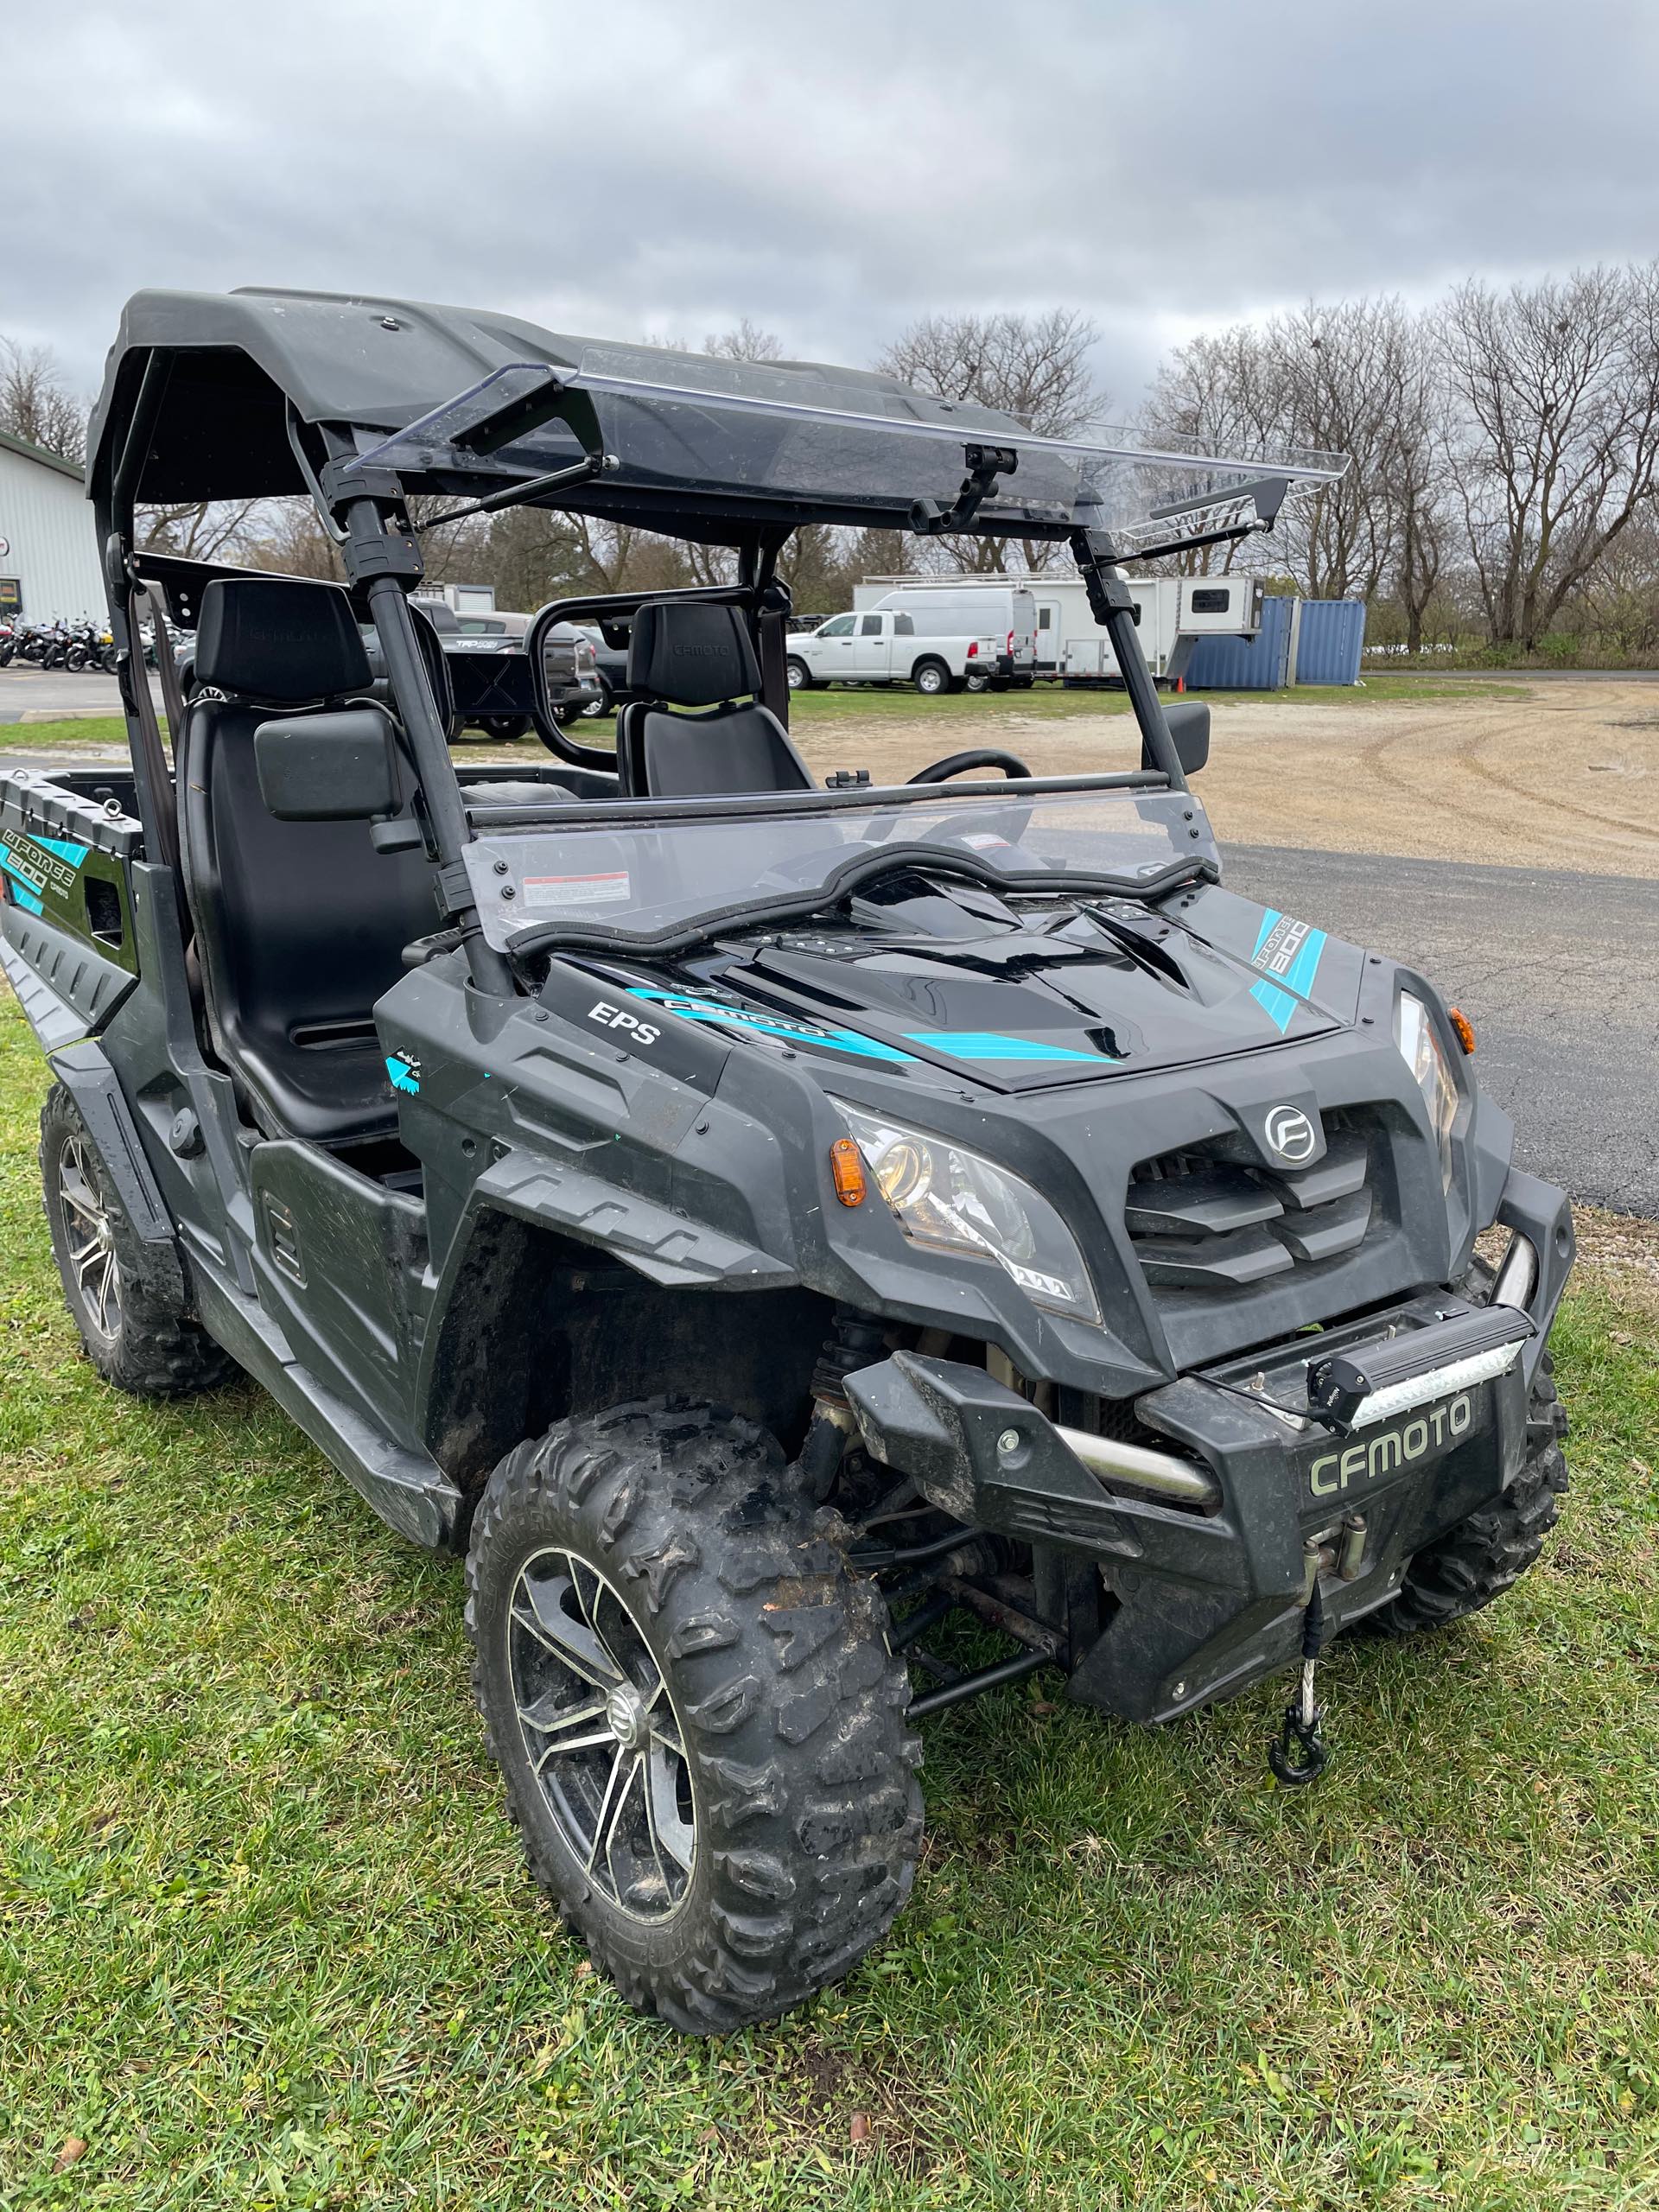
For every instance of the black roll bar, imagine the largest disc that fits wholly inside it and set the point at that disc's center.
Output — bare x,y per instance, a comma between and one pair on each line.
604,607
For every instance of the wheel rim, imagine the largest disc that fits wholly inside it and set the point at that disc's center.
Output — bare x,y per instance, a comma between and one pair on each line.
602,1735
595,708
797,678
91,1234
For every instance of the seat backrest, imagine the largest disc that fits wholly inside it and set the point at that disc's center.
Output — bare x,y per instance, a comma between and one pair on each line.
300,926
681,653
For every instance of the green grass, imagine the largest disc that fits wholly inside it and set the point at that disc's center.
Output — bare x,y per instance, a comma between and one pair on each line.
265,1939
1047,703
94,729
1050,701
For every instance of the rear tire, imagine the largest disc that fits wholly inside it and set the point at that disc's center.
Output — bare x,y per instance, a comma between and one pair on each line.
646,1579
931,679
126,1298
1481,1557
506,727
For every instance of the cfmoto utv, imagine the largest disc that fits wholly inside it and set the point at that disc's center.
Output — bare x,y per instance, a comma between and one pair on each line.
751,1220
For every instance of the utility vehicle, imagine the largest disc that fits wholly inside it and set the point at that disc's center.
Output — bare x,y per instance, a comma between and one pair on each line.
753,1218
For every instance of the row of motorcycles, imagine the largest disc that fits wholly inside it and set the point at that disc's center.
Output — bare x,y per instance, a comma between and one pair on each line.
72,645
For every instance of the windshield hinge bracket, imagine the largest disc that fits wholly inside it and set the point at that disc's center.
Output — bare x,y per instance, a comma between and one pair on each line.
930,518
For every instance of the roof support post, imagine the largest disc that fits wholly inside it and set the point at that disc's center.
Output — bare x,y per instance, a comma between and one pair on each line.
382,559
1112,604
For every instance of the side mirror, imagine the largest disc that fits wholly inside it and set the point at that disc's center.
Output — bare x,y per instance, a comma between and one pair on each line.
339,766
1189,725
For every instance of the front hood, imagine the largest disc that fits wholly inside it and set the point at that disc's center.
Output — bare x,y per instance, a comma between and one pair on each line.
1017,994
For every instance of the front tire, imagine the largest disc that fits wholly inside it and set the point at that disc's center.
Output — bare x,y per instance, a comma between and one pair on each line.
702,1732
800,676
1486,1554
126,1298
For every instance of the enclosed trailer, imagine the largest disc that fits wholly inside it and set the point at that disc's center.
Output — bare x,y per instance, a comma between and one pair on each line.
1172,614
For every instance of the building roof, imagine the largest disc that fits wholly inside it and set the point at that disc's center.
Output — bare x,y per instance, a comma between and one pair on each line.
30,452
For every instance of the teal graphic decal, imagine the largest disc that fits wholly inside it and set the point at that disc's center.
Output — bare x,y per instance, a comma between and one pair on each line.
36,866
404,1070
1279,1006
1289,950
692,1008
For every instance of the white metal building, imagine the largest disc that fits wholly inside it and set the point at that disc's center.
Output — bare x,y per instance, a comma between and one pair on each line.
49,547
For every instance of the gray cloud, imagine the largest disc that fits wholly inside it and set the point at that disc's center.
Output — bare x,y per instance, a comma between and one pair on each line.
654,167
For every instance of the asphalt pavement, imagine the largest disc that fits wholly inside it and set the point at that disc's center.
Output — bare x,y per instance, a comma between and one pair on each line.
1558,972
50,695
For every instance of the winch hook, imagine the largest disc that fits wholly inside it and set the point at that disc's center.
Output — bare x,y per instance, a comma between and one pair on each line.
1299,1755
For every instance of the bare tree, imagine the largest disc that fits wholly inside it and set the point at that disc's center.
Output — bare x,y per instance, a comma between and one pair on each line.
36,404
1329,378
1414,460
199,530
1556,386
745,343
1036,367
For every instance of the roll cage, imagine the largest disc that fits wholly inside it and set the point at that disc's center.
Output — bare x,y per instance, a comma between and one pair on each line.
361,403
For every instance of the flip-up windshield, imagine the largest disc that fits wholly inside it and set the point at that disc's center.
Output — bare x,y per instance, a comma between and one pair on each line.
818,436
689,864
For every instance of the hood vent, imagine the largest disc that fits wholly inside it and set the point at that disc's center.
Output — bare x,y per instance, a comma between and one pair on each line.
1199,1221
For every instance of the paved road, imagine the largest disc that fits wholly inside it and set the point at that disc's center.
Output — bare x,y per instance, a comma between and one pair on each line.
1559,973
51,695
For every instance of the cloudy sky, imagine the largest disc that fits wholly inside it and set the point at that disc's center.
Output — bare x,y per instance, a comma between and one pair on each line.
661,168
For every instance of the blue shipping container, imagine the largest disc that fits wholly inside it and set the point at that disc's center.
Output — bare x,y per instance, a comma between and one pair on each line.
1257,664
1329,638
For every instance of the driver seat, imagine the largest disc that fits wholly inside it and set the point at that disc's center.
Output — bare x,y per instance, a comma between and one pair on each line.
681,653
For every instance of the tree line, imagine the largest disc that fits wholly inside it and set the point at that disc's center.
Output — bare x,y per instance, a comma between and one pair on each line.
1505,444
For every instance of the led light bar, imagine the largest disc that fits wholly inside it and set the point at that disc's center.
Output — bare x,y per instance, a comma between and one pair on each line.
1438,1383
1373,1383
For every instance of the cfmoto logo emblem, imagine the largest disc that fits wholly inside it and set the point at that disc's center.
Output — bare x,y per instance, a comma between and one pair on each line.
1291,1135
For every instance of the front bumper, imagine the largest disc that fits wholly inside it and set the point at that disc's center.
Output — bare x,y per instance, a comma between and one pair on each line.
1210,1552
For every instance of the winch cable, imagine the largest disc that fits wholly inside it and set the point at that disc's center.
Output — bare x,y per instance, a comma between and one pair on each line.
1299,1755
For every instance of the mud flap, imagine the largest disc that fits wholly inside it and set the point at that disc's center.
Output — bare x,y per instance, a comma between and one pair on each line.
87,1075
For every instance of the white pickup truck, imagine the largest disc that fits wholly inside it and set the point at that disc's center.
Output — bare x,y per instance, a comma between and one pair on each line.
901,646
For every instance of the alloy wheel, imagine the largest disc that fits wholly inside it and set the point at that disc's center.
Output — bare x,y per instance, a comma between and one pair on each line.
91,1239
602,1735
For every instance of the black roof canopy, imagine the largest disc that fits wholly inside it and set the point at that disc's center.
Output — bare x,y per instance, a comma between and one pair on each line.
696,447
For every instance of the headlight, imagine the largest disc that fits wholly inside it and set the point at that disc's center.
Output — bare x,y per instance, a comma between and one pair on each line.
955,1201
1414,1032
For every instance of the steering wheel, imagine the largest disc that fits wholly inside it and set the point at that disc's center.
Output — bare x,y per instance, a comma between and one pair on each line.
981,756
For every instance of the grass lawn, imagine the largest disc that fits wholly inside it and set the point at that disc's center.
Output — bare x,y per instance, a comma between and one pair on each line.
40,737
265,1939
835,702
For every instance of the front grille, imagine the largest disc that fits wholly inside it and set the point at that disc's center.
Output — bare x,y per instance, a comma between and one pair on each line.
1201,1221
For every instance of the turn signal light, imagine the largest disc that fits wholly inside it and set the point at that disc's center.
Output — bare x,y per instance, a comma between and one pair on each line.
1464,1027
846,1172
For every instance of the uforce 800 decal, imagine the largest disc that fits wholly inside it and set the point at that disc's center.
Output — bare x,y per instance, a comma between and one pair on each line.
1374,1459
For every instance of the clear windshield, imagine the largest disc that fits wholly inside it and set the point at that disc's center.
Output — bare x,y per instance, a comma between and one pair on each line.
639,879
692,423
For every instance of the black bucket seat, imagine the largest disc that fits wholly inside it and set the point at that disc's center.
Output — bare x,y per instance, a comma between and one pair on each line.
299,927
682,654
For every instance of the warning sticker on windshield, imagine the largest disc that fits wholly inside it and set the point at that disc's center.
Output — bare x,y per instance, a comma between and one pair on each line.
614,889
